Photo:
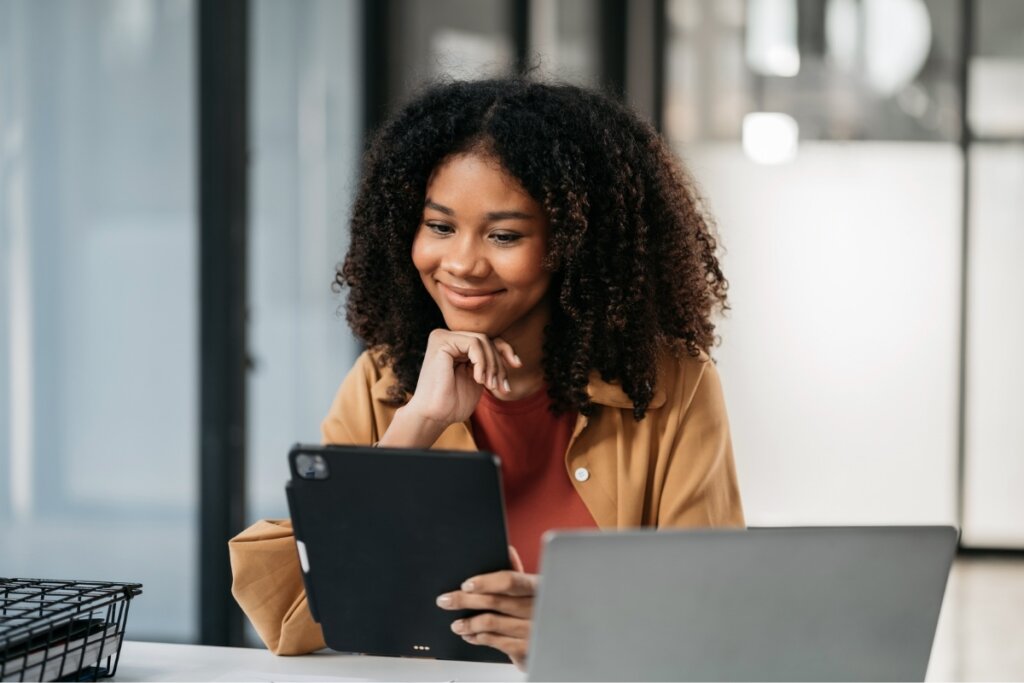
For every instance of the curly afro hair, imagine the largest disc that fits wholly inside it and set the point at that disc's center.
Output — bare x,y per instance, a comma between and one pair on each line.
632,251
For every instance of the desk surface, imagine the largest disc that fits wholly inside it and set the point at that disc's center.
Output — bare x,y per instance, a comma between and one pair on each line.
164,662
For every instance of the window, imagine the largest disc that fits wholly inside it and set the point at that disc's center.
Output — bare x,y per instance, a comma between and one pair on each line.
98,304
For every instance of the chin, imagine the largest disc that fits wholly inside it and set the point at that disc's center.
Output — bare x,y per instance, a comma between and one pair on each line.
472,323
477,326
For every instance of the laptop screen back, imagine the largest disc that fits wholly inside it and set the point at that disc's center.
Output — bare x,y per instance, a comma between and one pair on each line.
851,603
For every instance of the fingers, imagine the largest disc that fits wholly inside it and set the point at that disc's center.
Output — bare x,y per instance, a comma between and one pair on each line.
474,350
517,562
492,623
507,352
515,648
514,606
489,361
478,351
505,582
495,368
490,358
508,597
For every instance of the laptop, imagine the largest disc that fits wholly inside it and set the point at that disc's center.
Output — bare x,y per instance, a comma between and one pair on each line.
767,604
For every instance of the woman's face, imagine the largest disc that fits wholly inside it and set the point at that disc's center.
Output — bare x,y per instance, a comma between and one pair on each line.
479,248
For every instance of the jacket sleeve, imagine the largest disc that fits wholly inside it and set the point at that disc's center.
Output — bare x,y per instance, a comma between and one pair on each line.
267,579
268,586
701,488
353,417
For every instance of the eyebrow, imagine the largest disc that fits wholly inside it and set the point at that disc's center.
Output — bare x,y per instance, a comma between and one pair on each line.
491,215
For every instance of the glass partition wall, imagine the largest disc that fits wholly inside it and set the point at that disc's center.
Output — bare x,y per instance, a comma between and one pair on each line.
305,146
872,239
98,301
828,151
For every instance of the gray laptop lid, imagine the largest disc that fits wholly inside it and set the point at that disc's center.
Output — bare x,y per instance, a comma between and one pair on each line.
850,603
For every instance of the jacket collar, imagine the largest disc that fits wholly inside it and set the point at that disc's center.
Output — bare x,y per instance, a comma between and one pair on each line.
611,394
600,392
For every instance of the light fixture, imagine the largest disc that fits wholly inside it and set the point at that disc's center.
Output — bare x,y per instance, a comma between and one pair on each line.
770,137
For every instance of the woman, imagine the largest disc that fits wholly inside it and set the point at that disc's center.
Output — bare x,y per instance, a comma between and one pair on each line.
532,275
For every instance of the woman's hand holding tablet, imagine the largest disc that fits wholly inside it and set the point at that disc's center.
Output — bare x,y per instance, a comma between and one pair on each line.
507,596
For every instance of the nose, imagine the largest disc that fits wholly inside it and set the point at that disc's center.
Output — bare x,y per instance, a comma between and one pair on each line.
465,258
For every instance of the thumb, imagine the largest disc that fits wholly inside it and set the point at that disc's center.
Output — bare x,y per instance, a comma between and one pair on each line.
517,562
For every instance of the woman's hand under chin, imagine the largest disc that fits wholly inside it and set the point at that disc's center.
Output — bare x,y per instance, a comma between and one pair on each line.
456,368
507,596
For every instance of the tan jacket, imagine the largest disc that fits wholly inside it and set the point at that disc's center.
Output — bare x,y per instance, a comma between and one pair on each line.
674,468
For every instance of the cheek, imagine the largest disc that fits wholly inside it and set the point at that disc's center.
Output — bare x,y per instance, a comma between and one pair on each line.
527,272
422,258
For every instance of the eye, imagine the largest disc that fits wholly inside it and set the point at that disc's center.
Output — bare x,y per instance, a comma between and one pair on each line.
440,228
506,238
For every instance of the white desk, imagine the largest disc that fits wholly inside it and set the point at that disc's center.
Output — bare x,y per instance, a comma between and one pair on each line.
163,662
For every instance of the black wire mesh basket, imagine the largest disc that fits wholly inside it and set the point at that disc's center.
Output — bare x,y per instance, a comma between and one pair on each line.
62,630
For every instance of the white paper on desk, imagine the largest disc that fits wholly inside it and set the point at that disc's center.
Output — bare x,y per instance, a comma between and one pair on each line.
269,677
47,663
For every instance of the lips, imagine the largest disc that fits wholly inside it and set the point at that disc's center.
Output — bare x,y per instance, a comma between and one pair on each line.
468,299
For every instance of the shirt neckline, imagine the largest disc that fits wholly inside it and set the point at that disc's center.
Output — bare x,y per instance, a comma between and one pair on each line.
528,404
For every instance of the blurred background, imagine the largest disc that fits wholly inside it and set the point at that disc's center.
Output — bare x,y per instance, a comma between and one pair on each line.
175,181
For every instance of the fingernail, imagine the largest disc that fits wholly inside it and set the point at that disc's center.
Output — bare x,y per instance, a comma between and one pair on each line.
443,601
457,626
508,387
494,382
518,361
468,586
469,638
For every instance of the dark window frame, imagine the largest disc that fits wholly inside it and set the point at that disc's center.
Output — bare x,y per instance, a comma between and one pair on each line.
223,138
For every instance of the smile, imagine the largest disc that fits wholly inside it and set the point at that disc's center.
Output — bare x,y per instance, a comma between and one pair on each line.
469,299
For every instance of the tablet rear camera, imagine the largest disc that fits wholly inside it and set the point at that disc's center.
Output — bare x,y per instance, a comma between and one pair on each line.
311,466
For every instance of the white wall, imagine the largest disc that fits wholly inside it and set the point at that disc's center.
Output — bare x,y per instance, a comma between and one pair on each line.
994,468
840,356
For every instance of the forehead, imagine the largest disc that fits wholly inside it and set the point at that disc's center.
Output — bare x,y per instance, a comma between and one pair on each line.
474,179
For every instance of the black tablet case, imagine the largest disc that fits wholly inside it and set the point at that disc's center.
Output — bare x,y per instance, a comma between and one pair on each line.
385,533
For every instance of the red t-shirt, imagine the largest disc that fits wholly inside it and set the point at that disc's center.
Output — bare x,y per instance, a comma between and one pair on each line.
531,442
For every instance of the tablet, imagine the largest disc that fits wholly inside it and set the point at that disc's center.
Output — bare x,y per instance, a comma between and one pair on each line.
381,532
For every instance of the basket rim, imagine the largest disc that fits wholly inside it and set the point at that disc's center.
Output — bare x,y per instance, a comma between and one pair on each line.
113,593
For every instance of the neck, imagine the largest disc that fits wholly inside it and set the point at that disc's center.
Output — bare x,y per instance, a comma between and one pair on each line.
527,339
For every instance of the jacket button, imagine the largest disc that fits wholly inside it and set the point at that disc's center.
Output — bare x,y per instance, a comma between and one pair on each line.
582,474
